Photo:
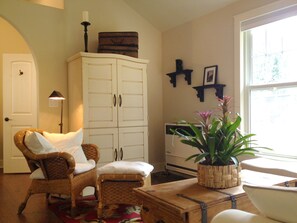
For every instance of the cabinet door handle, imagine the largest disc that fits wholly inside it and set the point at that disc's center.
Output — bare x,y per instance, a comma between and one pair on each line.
114,100
122,153
115,154
120,103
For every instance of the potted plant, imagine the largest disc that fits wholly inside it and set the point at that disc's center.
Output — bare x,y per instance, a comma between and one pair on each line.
219,143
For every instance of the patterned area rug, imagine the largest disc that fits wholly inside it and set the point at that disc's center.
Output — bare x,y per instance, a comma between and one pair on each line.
87,209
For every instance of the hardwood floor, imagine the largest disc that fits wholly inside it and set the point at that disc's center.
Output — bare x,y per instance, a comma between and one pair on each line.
13,189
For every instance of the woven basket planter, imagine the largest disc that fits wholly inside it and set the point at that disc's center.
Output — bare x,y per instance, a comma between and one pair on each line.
218,176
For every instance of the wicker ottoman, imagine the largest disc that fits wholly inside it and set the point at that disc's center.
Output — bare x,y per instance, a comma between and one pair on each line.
116,183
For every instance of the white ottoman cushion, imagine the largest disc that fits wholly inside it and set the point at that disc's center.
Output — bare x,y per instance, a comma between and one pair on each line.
126,167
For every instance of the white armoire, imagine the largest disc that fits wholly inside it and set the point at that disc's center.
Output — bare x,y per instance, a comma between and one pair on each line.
108,99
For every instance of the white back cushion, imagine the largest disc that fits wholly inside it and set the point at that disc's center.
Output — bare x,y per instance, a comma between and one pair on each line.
38,144
69,143
275,202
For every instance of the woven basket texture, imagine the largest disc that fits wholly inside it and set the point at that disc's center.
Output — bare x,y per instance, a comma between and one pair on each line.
58,168
218,176
118,189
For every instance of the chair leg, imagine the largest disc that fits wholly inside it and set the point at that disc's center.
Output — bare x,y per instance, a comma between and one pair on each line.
48,196
73,211
24,203
96,193
100,210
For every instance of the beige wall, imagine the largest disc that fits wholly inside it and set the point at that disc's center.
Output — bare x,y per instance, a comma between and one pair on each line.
53,35
200,43
11,42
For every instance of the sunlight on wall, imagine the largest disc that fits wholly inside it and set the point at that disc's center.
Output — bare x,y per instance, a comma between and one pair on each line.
52,3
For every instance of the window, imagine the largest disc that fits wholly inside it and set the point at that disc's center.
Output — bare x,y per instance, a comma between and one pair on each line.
270,85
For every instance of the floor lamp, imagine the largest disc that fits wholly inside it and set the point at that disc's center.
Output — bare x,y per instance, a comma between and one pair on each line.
56,95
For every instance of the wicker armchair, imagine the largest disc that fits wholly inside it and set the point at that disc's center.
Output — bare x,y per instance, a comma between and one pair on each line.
58,169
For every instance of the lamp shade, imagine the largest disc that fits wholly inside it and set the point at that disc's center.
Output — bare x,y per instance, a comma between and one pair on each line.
56,95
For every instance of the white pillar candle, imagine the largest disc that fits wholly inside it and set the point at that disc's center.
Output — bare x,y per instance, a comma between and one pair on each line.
85,16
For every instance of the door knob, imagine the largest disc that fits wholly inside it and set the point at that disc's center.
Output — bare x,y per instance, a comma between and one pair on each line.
6,119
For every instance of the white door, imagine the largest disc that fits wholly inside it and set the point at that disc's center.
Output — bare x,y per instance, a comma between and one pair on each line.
107,141
100,86
19,106
133,144
132,93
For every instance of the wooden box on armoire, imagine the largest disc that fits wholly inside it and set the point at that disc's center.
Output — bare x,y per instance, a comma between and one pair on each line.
125,43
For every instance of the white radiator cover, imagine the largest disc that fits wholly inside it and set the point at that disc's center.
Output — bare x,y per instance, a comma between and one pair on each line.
177,152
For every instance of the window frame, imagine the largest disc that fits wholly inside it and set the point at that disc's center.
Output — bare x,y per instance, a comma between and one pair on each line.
242,89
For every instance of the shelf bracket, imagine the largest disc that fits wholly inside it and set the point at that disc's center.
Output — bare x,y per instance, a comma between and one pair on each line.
218,87
187,73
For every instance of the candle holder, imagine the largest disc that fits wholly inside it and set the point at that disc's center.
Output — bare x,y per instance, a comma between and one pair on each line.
86,24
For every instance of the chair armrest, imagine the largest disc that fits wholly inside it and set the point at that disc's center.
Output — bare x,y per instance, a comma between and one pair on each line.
57,165
91,151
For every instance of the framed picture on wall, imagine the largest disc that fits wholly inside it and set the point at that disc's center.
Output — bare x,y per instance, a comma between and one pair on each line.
210,75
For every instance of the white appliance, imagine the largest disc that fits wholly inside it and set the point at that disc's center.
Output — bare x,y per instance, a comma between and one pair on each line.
177,152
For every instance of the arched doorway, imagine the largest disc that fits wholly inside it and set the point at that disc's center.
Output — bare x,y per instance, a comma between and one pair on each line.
14,47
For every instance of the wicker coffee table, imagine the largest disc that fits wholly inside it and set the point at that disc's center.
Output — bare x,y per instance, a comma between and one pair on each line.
185,201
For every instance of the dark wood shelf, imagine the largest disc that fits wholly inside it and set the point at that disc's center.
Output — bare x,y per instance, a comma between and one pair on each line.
219,90
187,73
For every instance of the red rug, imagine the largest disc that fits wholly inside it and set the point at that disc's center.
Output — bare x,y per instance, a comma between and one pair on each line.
87,209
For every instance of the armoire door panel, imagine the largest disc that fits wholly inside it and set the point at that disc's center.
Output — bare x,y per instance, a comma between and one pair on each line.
132,82
132,88
133,115
133,152
100,83
107,141
100,86
94,117
102,69
100,100
131,101
132,72
133,143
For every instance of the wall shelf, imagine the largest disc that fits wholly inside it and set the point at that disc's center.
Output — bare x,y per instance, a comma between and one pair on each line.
187,73
219,90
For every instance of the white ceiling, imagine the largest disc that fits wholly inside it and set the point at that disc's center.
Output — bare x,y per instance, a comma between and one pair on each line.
166,14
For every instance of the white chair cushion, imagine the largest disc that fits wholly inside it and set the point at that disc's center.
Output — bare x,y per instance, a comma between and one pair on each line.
275,202
38,144
79,168
69,143
84,167
126,167
37,175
